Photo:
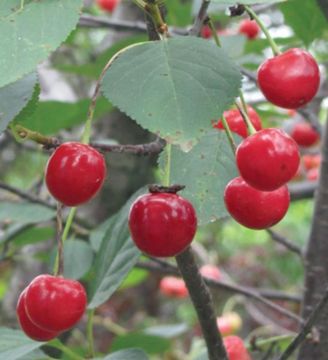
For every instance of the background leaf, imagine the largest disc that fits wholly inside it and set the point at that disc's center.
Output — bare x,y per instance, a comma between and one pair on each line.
149,343
128,354
14,97
14,344
25,213
116,257
28,36
173,87
205,183
307,20
49,117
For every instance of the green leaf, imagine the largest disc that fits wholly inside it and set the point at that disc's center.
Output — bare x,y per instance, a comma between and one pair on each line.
167,331
33,235
149,343
128,354
116,257
307,20
14,344
173,87
178,12
135,277
51,116
93,68
14,97
28,36
206,181
78,257
24,213
98,233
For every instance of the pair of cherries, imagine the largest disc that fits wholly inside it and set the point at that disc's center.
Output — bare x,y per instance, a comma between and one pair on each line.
50,305
266,161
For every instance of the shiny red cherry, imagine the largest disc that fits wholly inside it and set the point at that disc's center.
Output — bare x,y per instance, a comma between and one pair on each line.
268,159
162,224
304,134
236,122
211,272
108,5
249,28
54,303
174,287
30,329
75,172
289,80
235,348
253,208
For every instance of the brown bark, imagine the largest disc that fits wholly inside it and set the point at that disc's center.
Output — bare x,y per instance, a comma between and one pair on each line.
316,264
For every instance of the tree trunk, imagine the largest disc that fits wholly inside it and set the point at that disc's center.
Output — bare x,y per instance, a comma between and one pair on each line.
316,264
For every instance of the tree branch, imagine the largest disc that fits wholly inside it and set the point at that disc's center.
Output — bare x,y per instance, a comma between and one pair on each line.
306,328
302,190
200,18
285,242
254,294
203,303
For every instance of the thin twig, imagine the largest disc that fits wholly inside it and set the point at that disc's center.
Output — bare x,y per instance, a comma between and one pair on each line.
200,18
203,303
154,147
302,190
27,196
254,294
59,262
306,328
285,242
91,21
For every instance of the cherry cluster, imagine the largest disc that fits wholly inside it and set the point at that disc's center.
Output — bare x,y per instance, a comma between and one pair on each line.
269,158
50,305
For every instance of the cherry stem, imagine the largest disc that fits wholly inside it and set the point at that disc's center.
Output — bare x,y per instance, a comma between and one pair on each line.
59,262
167,170
203,304
173,189
244,113
229,134
253,15
90,333
87,127
214,32
152,8
56,343
21,132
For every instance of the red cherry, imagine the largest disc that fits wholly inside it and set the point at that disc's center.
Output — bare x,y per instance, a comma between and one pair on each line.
210,271
304,134
55,303
162,224
108,5
253,208
268,159
235,348
30,329
236,122
311,161
173,287
249,28
206,32
75,172
289,80
313,174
